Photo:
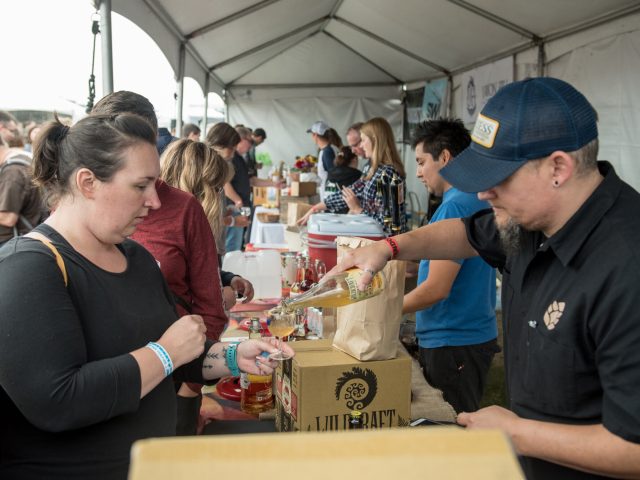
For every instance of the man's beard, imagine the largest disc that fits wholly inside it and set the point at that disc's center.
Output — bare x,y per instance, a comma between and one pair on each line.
511,235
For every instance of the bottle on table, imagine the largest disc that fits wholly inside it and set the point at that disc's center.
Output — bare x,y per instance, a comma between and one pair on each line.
256,393
396,199
355,420
300,333
337,291
305,277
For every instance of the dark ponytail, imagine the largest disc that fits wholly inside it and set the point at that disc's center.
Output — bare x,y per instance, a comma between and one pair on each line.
46,153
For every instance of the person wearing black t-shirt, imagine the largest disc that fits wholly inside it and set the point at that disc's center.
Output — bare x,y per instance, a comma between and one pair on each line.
564,231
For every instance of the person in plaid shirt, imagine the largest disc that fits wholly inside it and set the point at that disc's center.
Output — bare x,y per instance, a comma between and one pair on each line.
378,144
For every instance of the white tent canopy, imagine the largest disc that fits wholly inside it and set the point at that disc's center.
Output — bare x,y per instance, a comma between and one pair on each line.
282,64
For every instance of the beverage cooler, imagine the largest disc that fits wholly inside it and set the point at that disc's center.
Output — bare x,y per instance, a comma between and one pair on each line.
323,228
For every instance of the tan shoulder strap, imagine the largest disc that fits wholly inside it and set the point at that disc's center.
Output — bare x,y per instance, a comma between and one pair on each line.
59,260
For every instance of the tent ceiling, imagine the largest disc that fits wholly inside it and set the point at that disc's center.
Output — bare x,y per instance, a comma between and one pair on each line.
347,42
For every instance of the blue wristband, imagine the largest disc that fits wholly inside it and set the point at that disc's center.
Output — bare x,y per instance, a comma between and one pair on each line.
164,357
231,356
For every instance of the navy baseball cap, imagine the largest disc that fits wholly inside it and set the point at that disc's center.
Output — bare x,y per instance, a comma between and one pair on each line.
523,121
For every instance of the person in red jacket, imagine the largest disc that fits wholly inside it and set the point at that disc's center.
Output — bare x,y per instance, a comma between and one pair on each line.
179,237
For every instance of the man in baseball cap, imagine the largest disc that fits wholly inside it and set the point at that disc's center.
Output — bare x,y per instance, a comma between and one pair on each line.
564,231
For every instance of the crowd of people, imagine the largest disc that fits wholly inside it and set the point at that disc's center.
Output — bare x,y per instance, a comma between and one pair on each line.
112,307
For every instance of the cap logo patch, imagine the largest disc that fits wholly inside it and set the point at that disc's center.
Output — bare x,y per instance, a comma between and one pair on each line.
553,314
485,130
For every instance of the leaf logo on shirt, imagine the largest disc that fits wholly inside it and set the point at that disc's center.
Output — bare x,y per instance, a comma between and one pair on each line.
553,314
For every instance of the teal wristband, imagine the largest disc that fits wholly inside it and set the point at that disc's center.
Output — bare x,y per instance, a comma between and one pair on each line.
231,356
164,357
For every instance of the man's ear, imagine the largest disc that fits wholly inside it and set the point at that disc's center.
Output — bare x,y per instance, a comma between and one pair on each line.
445,157
86,182
561,167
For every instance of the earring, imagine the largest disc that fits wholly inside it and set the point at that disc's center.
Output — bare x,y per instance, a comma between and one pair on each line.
556,183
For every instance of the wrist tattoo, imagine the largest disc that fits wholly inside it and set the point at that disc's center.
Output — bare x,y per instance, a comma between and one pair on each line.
224,355
214,355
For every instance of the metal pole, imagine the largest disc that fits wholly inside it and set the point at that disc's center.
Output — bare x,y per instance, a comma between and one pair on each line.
205,119
541,59
180,89
107,51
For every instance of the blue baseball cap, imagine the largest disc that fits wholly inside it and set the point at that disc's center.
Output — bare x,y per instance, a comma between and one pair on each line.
523,121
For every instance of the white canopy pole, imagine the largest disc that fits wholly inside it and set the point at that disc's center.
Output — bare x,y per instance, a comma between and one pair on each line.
205,119
180,89
107,51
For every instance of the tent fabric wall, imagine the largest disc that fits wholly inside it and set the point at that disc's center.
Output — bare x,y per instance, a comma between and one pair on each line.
286,114
607,72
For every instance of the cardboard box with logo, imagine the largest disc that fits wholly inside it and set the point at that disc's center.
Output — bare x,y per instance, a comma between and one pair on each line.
320,386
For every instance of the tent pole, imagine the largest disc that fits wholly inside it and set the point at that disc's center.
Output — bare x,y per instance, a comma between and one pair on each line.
205,119
541,59
180,89
107,51
449,95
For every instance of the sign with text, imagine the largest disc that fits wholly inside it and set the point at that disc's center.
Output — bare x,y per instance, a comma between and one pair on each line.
320,386
480,84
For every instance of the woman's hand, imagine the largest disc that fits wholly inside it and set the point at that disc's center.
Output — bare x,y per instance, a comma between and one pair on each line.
352,201
184,339
318,207
244,287
229,297
250,359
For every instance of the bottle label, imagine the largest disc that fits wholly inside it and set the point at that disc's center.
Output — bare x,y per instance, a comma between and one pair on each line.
354,293
244,381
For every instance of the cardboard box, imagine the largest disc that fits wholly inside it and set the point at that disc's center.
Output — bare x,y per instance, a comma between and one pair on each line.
318,388
398,453
266,196
295,211
303,189
285,200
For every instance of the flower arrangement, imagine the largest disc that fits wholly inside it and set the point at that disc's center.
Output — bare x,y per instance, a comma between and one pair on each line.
304,164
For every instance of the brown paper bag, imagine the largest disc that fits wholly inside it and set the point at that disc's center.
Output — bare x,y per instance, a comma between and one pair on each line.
368,330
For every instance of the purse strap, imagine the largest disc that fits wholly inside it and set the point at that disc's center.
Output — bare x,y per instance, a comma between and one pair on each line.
59,260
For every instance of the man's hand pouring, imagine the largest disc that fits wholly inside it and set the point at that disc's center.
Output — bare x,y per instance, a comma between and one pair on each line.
370,259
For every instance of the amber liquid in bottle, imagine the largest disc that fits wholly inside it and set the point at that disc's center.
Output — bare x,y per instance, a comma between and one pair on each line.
256,394
337,291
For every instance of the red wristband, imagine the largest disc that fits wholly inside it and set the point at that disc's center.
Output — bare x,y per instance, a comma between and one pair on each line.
393,245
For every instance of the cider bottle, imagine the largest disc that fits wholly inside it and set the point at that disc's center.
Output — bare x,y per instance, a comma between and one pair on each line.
256,394
355,420
337,291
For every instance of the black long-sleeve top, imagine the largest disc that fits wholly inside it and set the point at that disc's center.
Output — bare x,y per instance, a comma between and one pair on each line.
69,402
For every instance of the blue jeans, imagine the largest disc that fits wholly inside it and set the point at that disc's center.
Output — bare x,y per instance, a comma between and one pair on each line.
234,239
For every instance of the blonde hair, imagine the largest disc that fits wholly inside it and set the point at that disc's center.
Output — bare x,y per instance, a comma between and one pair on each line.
384,146
196,168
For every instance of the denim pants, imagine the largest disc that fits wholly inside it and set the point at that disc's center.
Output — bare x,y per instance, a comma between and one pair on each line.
234,239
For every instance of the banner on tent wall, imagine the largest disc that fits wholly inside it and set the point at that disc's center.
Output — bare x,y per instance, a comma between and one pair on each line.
412,112
435,99
480,84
